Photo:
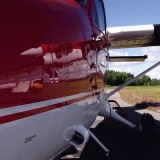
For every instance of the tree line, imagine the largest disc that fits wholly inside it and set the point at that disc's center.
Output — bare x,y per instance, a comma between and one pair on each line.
115,78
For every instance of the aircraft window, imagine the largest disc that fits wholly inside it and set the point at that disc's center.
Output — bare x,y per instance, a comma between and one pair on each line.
95,16
82,2
101,14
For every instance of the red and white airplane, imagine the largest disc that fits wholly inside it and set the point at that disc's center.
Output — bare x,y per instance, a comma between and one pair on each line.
54,58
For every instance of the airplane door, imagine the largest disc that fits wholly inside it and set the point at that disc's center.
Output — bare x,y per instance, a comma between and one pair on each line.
99,27
94,57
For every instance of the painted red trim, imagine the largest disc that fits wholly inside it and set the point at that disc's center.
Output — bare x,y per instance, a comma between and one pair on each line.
25,114
20,115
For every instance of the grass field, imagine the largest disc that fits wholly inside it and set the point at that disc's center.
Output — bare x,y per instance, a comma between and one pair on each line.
142,96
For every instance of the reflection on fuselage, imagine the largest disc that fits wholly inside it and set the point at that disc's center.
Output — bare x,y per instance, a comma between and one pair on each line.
56,74
50,78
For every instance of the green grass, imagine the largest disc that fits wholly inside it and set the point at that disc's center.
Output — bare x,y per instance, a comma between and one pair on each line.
142,96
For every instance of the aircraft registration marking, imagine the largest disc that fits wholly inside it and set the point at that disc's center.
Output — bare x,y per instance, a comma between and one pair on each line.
29,139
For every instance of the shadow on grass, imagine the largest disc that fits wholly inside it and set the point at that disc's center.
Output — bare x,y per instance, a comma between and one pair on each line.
152,105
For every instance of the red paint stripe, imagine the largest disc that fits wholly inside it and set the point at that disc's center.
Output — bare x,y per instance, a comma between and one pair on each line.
25,114
20,115
1,107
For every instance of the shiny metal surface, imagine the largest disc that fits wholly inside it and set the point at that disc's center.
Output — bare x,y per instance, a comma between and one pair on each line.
50,76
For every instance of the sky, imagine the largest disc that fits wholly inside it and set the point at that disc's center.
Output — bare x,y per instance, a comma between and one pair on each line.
134,12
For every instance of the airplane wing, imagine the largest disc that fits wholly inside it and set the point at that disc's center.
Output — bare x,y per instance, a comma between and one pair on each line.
127,58
134,36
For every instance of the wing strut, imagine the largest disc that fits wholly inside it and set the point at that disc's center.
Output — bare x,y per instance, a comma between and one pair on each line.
133,79
107,111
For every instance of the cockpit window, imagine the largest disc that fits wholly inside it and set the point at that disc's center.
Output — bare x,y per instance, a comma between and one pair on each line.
82,2
101,14
95,16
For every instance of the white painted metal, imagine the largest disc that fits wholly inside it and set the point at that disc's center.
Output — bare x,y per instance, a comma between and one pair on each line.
31,106
130,36
130,32
71,131
41,136
107,111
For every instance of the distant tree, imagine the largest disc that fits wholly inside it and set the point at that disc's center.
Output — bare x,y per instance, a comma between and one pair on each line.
116,78
154,82
145,80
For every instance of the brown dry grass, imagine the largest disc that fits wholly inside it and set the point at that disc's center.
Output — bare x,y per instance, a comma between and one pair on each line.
142,96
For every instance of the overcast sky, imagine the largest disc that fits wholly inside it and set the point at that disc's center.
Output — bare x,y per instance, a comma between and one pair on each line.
134,12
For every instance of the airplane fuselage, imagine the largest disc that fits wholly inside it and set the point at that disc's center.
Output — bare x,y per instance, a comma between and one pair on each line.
51,91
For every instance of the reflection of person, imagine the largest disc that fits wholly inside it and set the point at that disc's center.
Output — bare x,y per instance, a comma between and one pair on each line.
53,77
58,55
46,50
